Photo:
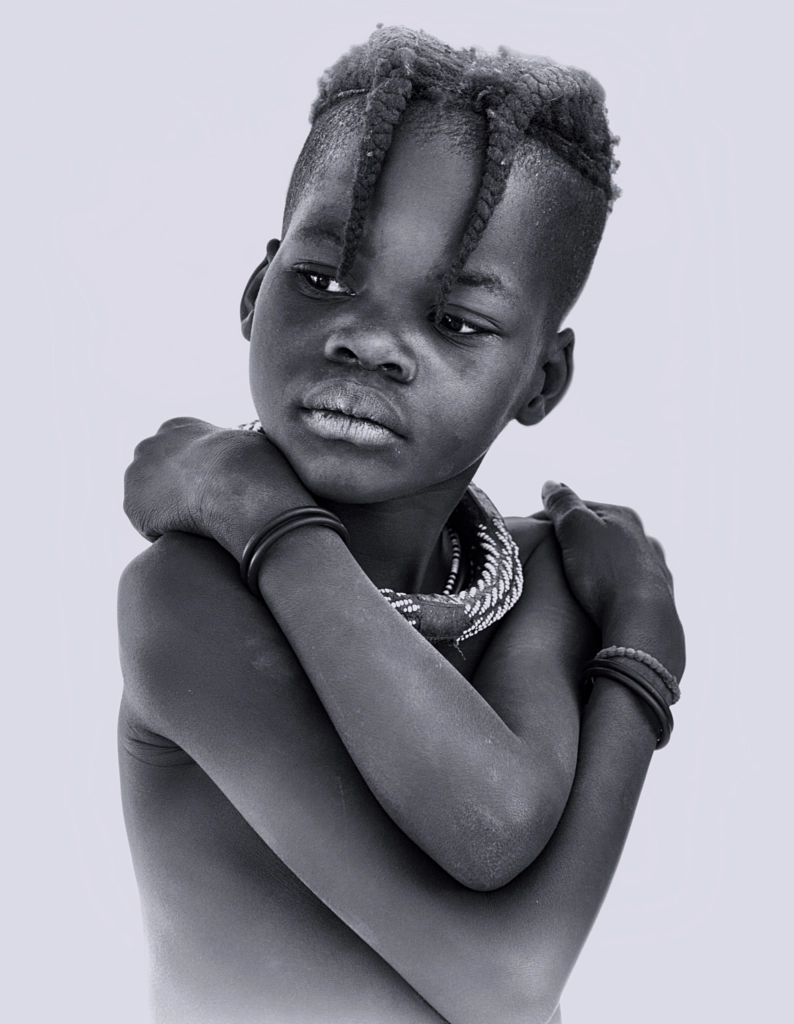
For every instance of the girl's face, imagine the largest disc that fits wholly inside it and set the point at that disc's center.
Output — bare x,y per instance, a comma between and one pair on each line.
353,380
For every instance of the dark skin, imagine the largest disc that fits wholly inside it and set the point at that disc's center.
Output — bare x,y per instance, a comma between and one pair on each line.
314,793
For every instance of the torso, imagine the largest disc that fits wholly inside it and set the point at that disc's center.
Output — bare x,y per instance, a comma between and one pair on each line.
234,935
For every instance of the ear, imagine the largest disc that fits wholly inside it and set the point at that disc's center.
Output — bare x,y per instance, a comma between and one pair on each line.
251,290
556,372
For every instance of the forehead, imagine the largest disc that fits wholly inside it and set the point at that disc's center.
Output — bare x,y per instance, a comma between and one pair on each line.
425,194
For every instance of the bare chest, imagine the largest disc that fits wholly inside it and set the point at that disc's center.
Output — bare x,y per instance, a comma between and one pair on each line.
233,934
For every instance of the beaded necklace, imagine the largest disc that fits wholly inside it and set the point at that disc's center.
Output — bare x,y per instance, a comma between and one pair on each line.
484,553
455,581
494,574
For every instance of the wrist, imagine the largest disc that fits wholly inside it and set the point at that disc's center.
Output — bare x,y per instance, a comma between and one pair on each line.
299,558
233,530
626,713
650,625
235,499
279,528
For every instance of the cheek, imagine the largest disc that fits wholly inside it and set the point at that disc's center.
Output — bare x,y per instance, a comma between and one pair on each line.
274,347
482,403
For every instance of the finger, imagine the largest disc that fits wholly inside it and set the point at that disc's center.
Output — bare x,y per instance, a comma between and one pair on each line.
657,547
181,421
558,499
133,513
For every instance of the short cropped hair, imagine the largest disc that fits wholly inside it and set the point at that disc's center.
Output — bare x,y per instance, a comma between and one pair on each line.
511,106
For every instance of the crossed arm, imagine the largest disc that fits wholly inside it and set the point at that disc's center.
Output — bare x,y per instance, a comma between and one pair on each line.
340,735
208,666
476,775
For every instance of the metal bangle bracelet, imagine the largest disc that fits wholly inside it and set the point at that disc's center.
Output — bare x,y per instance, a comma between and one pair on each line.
641,688
263,540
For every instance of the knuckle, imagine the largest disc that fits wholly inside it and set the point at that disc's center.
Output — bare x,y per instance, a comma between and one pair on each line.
562,502
184,423
573,513
129,484
177,421
560,513
628,515
657,547
142,446
636,518
556,509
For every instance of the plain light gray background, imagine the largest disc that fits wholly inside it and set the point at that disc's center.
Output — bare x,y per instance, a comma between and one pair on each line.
148,147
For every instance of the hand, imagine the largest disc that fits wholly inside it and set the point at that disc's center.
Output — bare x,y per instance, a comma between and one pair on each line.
617,574
223,483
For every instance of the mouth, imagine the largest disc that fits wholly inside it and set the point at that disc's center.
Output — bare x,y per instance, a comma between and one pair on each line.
344,411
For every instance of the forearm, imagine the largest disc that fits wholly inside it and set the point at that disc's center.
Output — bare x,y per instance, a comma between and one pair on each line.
203,672
439,759
514,949
559,896
522,942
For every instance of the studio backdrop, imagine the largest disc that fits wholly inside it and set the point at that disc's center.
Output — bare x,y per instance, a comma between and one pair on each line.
149,146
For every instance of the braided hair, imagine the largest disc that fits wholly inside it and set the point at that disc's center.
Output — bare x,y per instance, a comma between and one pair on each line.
520,99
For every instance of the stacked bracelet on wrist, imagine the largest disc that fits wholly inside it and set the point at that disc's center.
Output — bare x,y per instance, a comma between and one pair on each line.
615,663
275,529
669,680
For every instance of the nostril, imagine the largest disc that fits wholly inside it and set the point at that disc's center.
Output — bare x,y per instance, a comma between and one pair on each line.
368,354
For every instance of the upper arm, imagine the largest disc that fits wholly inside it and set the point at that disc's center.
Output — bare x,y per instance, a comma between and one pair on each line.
206,666
193,641
530,673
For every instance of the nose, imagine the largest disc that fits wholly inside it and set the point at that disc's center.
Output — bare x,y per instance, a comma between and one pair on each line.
373,349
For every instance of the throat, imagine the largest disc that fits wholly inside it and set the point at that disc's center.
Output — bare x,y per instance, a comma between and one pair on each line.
406,549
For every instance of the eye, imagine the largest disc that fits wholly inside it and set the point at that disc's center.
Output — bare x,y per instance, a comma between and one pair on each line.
325,283
457,325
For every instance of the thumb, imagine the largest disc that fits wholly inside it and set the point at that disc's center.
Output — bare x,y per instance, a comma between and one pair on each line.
559,499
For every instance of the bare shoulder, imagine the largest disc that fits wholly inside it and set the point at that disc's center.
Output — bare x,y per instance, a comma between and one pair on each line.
530,671
547,615
531,534
174,563
182,606
180,580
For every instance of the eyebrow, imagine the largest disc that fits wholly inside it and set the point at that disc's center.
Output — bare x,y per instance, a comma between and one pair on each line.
466,279
321,233
492,283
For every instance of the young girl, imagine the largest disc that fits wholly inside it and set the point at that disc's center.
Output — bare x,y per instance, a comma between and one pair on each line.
380,748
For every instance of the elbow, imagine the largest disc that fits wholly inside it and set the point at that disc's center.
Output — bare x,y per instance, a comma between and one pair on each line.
481,879
485,869
485,864
492,849
523,989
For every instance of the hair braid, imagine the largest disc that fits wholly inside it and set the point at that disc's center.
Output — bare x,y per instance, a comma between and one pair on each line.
386,104
521,98
496,171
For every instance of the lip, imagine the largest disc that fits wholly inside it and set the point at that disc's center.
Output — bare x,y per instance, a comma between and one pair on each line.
362,405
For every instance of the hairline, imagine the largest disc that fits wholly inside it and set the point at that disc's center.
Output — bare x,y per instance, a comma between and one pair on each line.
339,127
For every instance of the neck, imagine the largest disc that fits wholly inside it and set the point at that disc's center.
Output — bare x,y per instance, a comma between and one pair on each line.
399,543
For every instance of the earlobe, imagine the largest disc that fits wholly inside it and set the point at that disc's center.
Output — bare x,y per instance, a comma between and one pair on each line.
557,373
251,290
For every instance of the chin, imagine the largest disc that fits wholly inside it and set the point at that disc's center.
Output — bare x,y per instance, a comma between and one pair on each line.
336,480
